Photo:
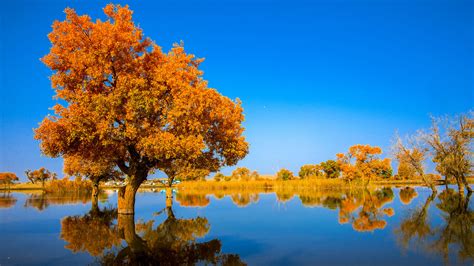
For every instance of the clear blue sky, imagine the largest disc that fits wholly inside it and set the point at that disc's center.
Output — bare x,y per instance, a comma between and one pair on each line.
315,77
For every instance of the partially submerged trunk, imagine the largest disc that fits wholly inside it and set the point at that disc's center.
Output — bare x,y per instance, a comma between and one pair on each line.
460,187
126,195
95,195
169,197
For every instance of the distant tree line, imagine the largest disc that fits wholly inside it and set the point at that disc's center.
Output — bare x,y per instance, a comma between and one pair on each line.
448,144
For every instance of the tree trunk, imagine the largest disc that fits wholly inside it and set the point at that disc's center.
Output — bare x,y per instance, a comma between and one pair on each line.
169,197
464,180
126,195
429,183
460,186
95,196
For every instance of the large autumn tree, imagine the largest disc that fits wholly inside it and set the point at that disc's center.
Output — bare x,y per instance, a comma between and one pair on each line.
128,102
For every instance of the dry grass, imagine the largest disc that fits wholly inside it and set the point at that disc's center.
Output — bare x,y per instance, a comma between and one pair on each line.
23,186
299,186
62,186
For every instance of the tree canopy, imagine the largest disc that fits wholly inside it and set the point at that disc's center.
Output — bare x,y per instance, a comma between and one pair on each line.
362,162
130,103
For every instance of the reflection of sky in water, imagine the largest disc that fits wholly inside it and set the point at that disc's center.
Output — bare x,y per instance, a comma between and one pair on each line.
265,231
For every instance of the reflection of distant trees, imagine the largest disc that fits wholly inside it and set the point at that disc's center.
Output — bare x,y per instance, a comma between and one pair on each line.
244,199
7,200
416,225
457,227
407,195
192,200
41,201
456,231
284,196
363,208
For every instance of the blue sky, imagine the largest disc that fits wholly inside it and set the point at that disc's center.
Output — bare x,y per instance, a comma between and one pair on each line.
315,77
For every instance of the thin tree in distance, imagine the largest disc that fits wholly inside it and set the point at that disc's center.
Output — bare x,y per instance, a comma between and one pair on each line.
411,154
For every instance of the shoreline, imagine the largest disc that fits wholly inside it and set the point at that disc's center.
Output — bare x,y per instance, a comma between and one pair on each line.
262,184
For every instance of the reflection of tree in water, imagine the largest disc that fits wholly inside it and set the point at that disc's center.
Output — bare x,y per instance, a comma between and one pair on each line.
192,200
243,199
364,209
42,201
457,227
173,242
92,233
284,196
407,195
416,225
321,199
201,199
456,231
7,200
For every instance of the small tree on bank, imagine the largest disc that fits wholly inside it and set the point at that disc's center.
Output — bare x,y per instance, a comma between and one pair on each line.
40,175
411,157
285,174
131,104
331,169
219,176
7,179
451,142
241,174
310,171
95,171
362,163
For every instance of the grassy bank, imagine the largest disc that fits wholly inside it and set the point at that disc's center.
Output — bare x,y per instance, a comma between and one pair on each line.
23,186
260,185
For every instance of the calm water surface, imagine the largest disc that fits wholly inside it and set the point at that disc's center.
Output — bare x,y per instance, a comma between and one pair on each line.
385,226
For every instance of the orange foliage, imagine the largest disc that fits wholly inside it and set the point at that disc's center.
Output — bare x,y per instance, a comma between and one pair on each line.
361,162
410,163
8,178
94,170
40,175
130,103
